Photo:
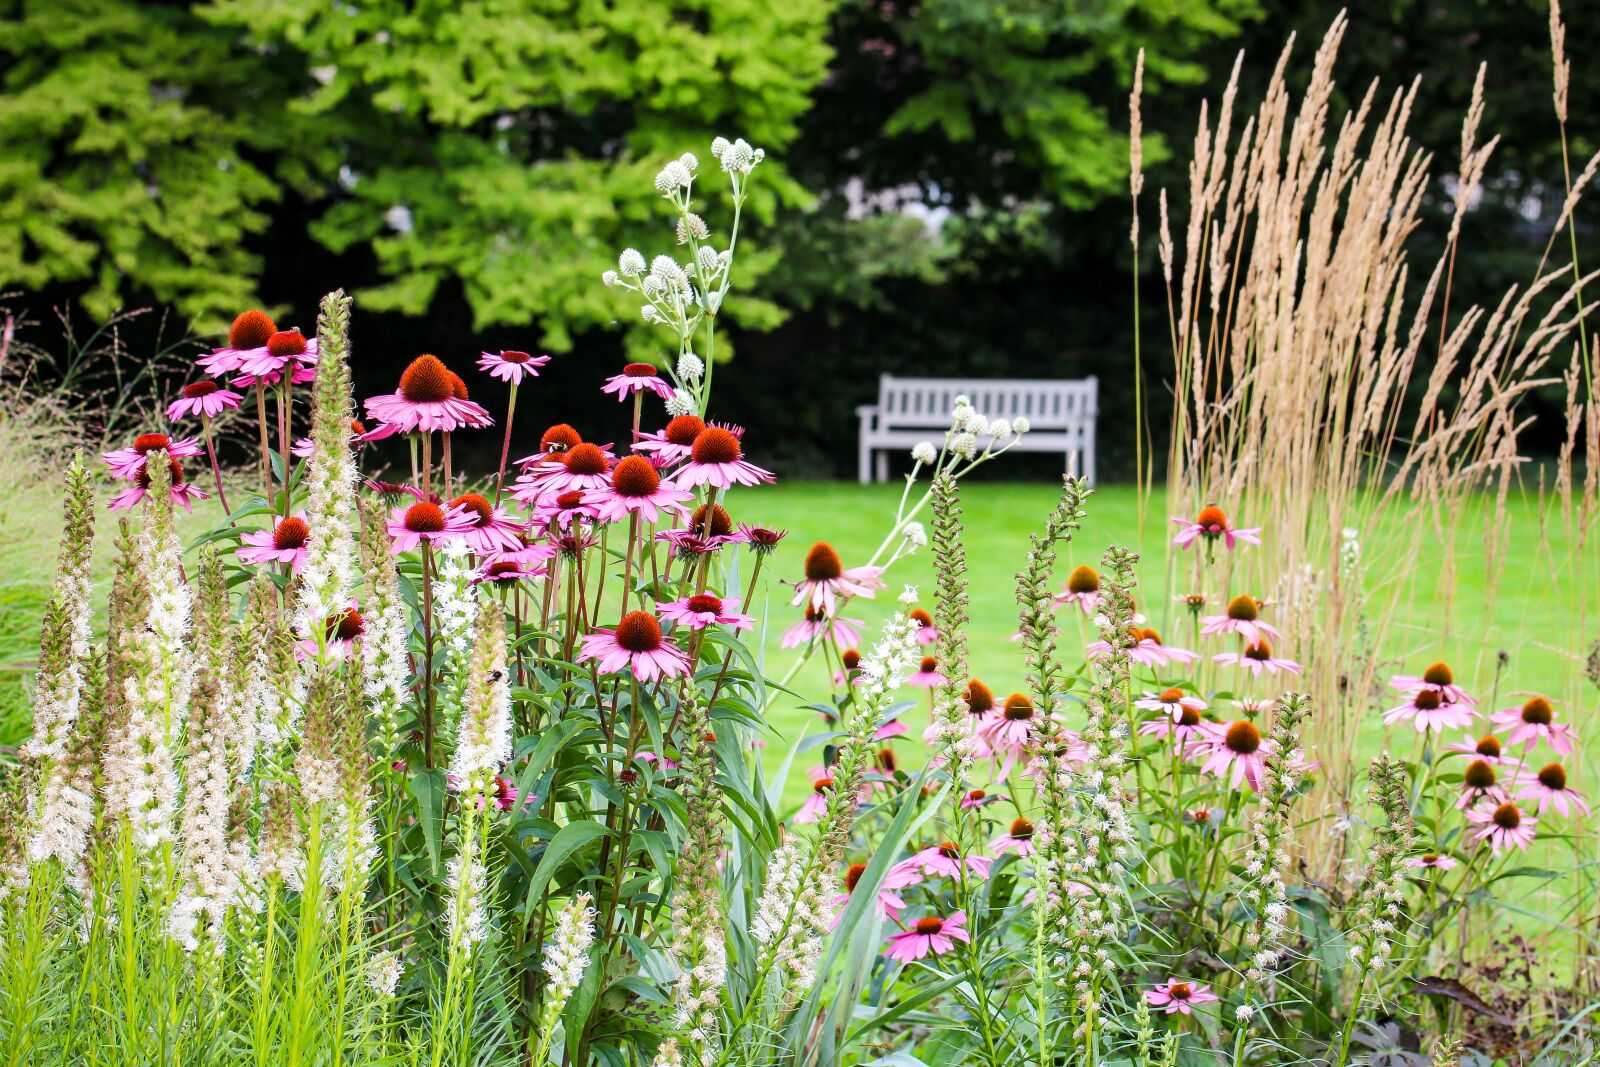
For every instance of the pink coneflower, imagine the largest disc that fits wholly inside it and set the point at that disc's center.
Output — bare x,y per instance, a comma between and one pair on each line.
650,759
303,447
887,903
927,633
1479,782
717,460
1503,827
511,366
1430,861
927,675
817,801
425,521
636,643
340,631
1083,589
490,529
1008,729
204,398
1213,524
1234,752
556,440
1147,649
1258,659
508,572
1242,618
980,702
506,797
1438,676
891,729
182,493
928,935
849,671
1428,709
675,442
638,378
702,610
1549,787
284,543
1486,748
826,579
636,488
981,798
246,337
1175,995
563,510
1018,839
1533,722
285,351
1173,701
430,398
1185,727
819,625
128,463
582,467
761,539
944,859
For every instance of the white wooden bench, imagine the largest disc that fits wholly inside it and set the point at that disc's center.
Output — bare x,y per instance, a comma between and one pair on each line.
1061,414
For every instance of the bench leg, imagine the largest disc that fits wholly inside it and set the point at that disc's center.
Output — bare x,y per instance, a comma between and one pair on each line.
864,462
881,460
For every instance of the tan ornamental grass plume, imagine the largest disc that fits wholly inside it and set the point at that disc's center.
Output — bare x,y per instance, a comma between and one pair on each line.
1312,397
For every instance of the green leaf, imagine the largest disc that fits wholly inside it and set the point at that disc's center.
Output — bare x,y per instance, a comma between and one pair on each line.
569,839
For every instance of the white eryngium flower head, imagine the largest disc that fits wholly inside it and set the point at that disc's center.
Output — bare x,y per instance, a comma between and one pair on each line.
630,263
690,367
925,453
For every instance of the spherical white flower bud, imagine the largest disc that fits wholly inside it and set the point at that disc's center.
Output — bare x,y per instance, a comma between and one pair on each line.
964,445
1020,425
690,367
672,177
681,403
916,534
691,227
710,260
609,277
688,162
631,262
1243,1013
649,314
654,285
925,453
999,429
719,145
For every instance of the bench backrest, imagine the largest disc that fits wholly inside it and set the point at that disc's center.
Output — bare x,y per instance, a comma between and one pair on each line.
1048,404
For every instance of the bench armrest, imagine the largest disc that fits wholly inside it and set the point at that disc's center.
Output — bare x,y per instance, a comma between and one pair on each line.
866,411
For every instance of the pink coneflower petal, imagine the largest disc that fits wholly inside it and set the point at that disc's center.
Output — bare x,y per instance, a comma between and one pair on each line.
511,365
637,378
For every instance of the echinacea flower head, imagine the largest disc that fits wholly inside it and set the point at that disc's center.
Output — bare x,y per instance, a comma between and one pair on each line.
1083,589
1480,782
1183,725
204,398
638,644
1503,827
1213,525
425,521
927,633
826,579
819,625
638,378
703,609
717,460
1177,996
711,521
1438,676
1148,649
128,463
761,539
1429,861
816,802
1258,659
511,365
927,675
181,492
287,352
1533,722
1018,839
1243,617
1173,701
340,633
930,935
1430,709
557,439
284,543
246,337
1234,752
887,905
1008,729
508,572
1550,788
943,860
636,488
430,397
490,528
674,443
1486,748
582,467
